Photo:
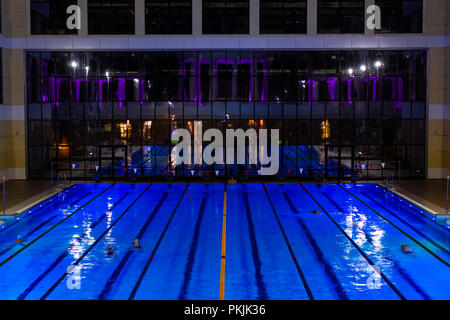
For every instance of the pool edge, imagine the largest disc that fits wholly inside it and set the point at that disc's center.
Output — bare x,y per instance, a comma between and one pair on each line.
433,210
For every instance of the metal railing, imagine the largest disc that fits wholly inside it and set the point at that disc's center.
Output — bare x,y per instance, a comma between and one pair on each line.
51,176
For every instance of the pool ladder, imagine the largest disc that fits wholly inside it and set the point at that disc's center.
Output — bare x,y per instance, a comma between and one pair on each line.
389,180
62,182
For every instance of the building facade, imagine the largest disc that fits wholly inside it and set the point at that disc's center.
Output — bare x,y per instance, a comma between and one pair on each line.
347,100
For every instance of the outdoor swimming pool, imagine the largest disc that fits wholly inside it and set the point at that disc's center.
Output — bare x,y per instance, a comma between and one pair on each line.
211,241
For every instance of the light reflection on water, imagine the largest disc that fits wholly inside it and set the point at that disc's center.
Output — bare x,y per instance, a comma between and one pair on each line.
371,233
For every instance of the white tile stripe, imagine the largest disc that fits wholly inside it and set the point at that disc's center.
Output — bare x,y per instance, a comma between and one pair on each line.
12,112
439,112
225,42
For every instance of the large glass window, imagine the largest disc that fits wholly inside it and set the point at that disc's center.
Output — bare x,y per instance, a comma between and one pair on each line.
401,16
225,17
340,16
283,17
111,17
50,17
340,113
168,17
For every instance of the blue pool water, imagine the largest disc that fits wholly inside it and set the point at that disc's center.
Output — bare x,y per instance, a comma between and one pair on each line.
281,241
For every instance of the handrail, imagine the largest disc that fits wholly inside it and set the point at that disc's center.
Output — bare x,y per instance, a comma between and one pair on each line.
446,207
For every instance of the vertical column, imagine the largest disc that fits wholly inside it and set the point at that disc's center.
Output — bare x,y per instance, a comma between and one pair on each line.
15,18
367,4
197,18
312,17
438,91
447,107
139,9
435,18
447,96
27,18
425,16
12,115
436,113
197,25
447,20
254,17
83,4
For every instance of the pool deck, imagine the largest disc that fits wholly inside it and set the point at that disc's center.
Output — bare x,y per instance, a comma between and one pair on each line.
23,194
429,193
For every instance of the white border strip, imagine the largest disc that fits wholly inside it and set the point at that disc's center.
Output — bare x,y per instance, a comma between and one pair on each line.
9,113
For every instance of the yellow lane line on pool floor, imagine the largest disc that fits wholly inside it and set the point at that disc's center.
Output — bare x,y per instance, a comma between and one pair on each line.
224,244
